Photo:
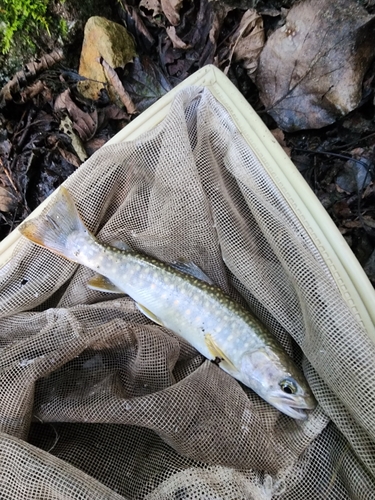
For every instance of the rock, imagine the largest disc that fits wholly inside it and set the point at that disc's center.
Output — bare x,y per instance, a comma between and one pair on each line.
109,40
311,69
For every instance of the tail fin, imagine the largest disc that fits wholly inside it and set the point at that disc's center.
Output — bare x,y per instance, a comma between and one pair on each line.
59,228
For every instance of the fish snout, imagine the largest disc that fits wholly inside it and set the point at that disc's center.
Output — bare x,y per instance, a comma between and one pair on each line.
294,406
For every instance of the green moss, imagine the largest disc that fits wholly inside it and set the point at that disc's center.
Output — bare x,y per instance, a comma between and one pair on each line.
26,16
63,27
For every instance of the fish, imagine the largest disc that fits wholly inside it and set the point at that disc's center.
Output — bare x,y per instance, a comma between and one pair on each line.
182,298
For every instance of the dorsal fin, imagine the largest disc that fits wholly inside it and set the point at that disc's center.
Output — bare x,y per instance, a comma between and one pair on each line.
192,269
120,245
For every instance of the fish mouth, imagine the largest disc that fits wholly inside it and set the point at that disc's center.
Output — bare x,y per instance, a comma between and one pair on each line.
297,409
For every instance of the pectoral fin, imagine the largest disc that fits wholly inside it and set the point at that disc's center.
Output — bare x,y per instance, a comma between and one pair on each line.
149,314
216,351
102,284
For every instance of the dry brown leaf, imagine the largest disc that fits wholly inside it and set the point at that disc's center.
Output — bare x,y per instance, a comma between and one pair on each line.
311,70
175,39
249,41
84,123
115,81
136,26
29,72
70,157
66,126
220,12
171,9
8,201
151,5
31,91
94,144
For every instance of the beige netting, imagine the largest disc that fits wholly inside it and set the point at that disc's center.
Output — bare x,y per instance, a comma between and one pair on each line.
98,402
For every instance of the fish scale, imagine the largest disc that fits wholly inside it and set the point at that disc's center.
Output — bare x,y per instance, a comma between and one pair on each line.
192,307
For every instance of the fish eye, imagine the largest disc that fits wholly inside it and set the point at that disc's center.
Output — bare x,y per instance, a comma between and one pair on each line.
288,386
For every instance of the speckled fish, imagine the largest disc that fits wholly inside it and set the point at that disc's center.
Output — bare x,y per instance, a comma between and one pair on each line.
182,298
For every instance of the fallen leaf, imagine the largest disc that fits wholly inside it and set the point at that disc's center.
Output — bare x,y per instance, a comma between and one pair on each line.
66,126
171,9
115,81
70,157
365,221
311,70
369,191
355,175
28,73
247,42
135,25
94,144
152,6
111,112
31,91
199,29
176,41
84,123
102,39
8,202
145,83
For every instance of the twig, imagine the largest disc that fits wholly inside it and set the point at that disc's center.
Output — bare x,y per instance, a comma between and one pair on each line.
7,173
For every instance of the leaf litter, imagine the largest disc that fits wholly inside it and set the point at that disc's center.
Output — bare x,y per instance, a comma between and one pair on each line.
306,68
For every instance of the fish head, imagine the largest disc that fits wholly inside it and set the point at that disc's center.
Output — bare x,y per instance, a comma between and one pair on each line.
275,377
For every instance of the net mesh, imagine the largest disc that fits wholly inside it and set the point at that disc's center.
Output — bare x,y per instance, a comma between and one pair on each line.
98,402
